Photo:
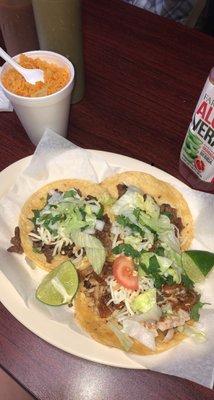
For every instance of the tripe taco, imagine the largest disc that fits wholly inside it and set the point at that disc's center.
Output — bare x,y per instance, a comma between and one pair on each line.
61,221
142,301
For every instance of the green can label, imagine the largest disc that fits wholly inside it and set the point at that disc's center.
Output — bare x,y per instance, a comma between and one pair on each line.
198,147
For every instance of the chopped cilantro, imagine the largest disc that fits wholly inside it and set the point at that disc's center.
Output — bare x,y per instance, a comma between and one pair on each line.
153,265
127,249
125,221
151,230
143,267
167,213
158,281
160,251
137,212
154,272
83,213
50,219
36,214
69,193
187,281
100,212
84,227
169,280
194,313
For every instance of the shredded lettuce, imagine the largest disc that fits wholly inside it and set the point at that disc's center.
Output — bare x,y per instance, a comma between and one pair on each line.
129,201
169,239
176,266
106,200
161,224
125,341
164,263
149,237
151,207
175,274
153,314
90,219
126,222
145,257
197,335
72,219
95,251
134,241
173,255
144,301
139,201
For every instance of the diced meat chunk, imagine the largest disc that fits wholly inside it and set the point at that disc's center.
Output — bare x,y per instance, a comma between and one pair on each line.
172,212
16,242
121,189
179,296
105,235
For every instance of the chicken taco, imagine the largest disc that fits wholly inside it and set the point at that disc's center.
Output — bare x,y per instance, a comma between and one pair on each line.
61,221
142,301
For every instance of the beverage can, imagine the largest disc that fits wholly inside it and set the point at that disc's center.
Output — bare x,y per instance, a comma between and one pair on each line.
197,153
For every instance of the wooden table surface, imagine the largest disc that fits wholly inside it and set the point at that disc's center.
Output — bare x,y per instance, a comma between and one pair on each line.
144,75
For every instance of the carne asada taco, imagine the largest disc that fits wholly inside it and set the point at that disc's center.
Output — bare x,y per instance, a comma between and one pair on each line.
60,221
142,301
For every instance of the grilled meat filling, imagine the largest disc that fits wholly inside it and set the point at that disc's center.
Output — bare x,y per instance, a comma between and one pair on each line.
105,235
179,297
96,288
121,189
47,250
16,242
172,213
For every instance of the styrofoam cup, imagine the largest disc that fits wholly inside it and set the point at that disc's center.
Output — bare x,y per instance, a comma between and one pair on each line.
38,113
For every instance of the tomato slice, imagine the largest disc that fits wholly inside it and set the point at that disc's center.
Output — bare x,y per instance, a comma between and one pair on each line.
123,271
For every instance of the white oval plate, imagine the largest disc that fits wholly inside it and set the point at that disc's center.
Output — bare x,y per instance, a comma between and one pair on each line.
51,331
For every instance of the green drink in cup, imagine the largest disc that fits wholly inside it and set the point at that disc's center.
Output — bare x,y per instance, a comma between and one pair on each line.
59,29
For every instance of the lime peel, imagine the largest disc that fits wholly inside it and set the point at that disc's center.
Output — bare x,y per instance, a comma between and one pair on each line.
197,264
59,286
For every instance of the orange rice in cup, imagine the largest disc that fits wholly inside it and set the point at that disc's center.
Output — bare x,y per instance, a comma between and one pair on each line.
55,78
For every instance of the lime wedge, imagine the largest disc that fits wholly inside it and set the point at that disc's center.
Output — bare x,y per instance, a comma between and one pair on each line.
197,264
59,286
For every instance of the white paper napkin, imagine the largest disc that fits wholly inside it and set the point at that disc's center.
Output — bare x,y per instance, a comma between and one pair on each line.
56,158
5,104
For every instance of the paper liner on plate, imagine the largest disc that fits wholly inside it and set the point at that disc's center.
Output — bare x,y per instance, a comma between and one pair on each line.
57,158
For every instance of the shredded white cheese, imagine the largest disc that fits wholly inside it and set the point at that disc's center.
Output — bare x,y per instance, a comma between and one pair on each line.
120,293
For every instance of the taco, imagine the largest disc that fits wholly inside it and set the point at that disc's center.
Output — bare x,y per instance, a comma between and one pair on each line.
142,300
61,221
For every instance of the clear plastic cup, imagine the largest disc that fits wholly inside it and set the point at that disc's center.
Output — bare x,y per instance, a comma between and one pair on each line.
38,113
